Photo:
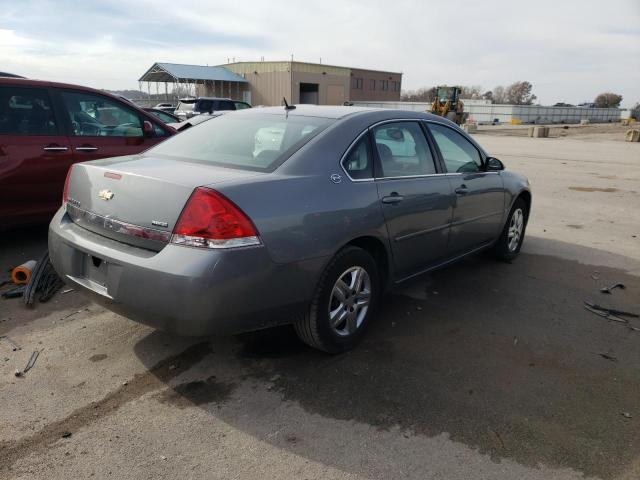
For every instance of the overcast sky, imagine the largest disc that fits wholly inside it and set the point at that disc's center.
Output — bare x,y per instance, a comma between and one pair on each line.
570,50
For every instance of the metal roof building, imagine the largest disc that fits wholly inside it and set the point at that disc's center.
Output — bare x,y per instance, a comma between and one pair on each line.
267,83
193,78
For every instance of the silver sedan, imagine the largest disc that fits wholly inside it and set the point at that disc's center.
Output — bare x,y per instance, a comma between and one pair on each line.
283,215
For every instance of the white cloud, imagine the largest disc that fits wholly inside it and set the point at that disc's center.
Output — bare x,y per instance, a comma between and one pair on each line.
570,50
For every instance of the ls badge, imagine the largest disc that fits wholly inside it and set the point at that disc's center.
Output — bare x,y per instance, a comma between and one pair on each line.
105,194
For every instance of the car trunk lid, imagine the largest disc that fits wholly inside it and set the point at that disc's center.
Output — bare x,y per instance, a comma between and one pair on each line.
138,199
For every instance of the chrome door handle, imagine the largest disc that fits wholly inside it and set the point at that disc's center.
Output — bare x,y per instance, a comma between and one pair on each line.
393,198
55,149
462,190
86,149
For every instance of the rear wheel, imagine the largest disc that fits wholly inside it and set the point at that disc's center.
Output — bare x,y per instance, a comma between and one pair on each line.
510,241
343,304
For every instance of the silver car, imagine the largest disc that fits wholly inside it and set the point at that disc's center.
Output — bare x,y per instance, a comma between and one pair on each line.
208,232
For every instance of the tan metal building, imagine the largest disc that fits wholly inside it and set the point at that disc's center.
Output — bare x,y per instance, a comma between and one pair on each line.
267,83
316,83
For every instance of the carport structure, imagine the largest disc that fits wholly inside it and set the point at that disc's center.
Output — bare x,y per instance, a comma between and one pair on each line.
193,80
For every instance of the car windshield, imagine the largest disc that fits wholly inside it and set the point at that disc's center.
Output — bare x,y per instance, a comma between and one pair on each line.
259,142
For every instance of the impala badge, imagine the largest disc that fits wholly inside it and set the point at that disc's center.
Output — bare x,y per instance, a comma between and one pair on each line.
105,194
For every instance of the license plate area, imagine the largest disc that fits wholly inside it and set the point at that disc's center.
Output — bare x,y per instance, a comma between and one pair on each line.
96,270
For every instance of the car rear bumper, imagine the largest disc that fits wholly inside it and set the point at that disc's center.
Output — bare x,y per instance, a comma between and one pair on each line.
183,290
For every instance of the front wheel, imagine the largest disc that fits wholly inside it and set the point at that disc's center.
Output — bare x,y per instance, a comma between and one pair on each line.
510,241
345,298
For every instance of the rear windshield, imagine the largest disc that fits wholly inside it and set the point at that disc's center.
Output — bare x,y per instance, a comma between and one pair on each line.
259,142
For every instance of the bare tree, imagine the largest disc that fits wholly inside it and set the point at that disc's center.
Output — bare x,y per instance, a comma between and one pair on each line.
608,100
488,95
471,91
635,111
519,93
424,94
498,95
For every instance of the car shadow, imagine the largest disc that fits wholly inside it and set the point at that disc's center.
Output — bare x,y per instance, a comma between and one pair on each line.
501,357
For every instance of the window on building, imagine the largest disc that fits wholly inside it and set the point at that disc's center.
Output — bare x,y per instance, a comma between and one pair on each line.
396,86
385,84
356,83
372,84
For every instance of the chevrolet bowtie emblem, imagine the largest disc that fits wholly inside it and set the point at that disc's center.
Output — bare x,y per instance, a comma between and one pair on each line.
105,194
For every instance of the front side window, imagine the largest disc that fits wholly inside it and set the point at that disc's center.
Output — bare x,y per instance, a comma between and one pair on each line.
403,150
241,105
26,111
96,116
259,142
358,163
459,155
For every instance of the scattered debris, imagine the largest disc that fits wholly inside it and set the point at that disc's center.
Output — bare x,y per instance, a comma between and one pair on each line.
626,414
612,310
595,275
608,289
44,279
22,273
66,434
515,341
30,364
606,356
609,315
67,290
14,345
163,457
15,292
73,313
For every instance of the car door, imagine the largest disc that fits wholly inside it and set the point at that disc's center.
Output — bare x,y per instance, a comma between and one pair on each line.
416,198
100,126
479,195
34,156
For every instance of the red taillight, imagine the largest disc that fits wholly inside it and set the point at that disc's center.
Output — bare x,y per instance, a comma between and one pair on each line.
65,190
211,220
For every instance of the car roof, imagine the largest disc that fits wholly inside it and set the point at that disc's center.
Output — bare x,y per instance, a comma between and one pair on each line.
338,112
195,99
27,82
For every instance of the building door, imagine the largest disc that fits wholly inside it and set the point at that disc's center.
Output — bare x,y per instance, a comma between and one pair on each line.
335,95
309,93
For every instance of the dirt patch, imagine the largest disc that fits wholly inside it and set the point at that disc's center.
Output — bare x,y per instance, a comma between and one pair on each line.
153,379
98,357
593,189
577,227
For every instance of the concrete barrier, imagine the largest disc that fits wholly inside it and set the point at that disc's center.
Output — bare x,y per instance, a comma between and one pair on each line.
633,135
538,132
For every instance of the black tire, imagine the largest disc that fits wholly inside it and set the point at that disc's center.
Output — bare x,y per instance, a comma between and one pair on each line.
315,327
502,249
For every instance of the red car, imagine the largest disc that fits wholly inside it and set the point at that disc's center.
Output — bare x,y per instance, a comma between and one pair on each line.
45,127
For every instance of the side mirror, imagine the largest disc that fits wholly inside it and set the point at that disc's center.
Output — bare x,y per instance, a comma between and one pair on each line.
147,128
494,165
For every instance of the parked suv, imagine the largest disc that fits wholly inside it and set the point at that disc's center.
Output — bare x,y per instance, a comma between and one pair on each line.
188,107
45,127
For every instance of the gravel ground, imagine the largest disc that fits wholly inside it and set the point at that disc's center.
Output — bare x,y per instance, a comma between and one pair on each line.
483,370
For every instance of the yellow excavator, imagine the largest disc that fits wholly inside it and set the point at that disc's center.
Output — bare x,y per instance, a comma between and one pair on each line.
448,104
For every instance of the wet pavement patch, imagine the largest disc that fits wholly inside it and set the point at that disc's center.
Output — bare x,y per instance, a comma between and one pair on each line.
198,392
501,360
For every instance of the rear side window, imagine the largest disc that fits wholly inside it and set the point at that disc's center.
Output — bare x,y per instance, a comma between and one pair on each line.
459,155
97,116
403,150
358,163
259,142
241,105
26,111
